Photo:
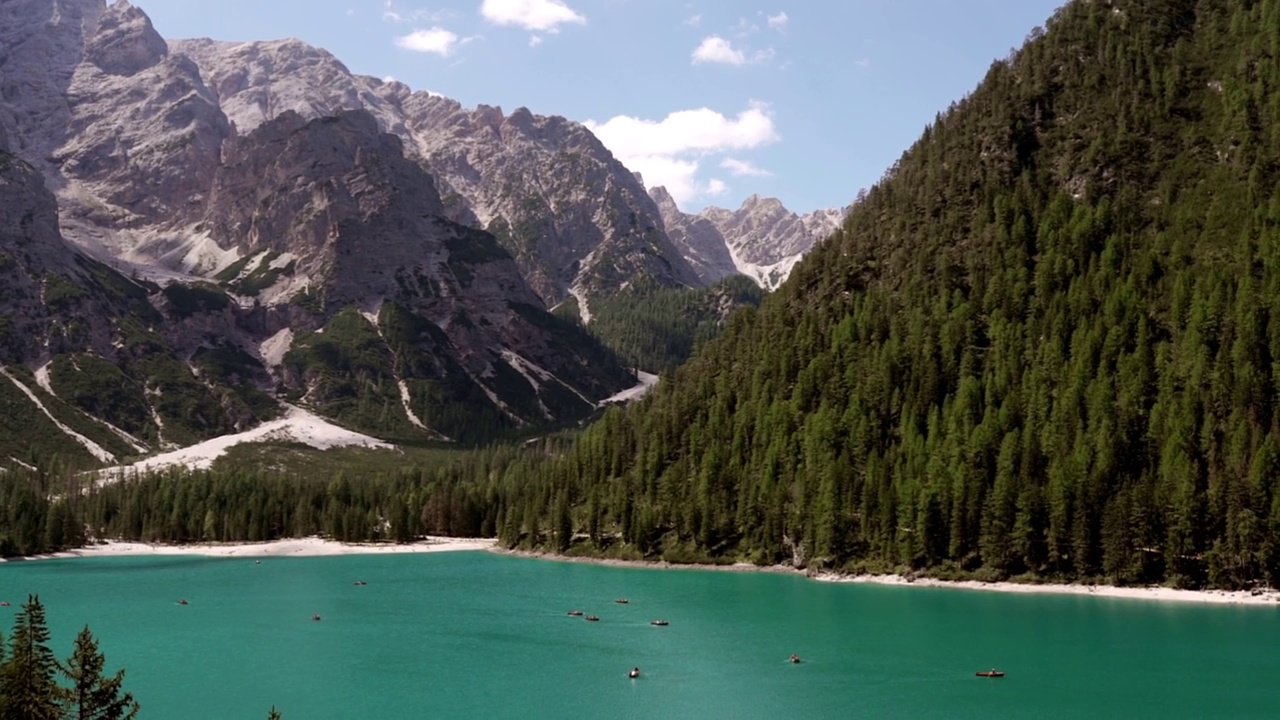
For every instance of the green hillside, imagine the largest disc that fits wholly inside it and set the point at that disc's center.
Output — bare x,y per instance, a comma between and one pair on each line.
1044,344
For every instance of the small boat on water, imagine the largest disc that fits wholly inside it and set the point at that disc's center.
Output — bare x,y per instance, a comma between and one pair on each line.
315,617
575,613
4,604
659,623
182,601
794,658
992,673
593,618
360,583
635,673
622,601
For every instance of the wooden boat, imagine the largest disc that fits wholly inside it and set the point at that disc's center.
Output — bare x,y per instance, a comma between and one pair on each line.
635,673
990,673
575,613
592,618
622,601
659,623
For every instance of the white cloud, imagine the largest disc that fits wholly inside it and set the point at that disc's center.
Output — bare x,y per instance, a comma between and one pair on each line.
391,12
540,15
693,20
670,152
436,40
718,50
779,21
535,40
743,168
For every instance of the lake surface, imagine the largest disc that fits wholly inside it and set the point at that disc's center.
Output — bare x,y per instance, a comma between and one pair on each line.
479,635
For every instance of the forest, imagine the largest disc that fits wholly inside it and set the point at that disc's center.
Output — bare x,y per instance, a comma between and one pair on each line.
1045,346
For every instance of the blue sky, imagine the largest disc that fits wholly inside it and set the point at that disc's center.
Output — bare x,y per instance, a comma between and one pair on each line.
715,99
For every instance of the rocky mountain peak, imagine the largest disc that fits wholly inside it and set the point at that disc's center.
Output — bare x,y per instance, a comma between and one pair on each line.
698,239
662,198
762,239
335,192
124,42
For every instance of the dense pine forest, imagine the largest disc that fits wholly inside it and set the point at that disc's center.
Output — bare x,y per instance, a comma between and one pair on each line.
1046,345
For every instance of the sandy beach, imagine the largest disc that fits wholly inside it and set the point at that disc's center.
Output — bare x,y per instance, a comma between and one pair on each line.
1267,597
1220,597
297,547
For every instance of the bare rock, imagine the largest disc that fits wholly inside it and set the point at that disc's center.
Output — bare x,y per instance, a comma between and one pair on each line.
124,42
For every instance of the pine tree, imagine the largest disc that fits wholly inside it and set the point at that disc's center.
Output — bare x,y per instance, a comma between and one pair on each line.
274,714
92,695
28,682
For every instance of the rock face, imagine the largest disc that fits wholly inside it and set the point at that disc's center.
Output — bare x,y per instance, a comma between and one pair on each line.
349,223
42,42
762,239
108,382
301,251
50,299
572,216
698,239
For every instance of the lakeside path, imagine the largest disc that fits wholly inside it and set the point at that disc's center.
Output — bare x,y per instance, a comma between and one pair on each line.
1268,597
296,547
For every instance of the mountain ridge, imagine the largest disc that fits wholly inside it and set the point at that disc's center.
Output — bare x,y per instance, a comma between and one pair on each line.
762,239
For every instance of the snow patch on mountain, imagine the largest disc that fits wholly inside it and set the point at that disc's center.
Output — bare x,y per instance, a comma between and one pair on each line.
769,277
644,383
273,349
94,448
528,368
583,311
297,425
42,379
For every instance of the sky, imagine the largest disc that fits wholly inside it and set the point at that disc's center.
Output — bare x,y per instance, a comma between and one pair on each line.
807,101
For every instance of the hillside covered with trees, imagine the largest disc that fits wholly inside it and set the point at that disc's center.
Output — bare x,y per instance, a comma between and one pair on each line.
1045,343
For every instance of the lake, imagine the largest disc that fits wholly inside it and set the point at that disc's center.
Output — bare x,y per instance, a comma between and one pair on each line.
476,634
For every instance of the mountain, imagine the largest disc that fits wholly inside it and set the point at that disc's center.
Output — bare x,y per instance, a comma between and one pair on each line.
1043,346
577,222
762,239
308,259
400,318
700,241
121,388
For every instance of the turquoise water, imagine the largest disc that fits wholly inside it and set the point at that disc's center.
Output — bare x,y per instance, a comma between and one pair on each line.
462,635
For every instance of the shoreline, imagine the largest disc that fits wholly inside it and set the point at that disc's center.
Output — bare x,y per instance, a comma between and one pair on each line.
1269,597
320,547
291,547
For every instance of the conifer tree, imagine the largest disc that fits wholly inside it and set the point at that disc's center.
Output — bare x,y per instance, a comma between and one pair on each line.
92,695
28,682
